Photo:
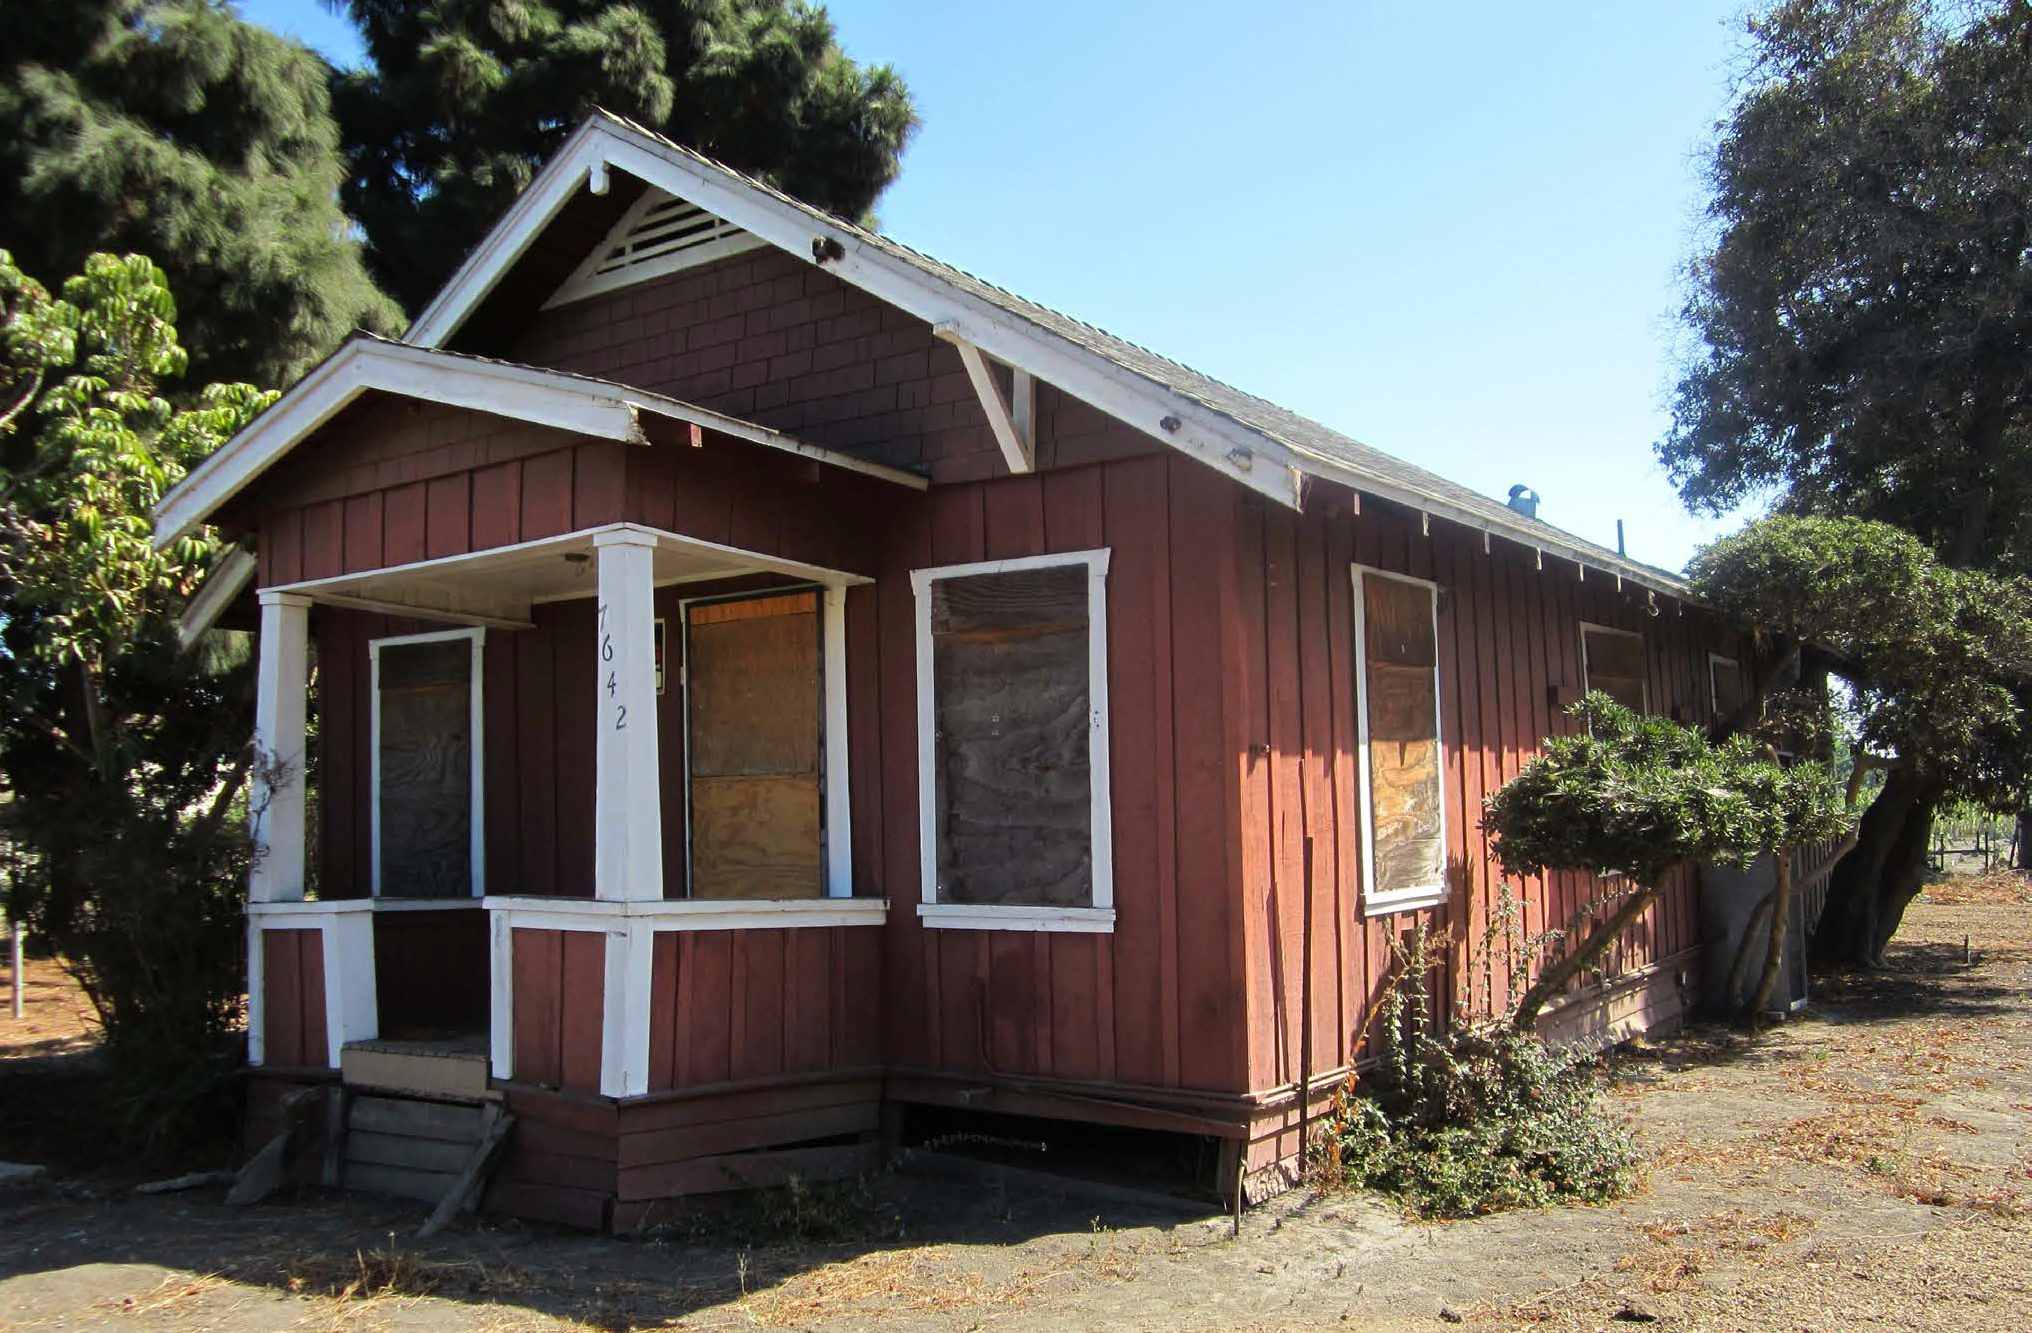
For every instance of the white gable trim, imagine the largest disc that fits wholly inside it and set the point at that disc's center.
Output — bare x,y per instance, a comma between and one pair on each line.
524,393
622,258
366,364
1166,416
1238,451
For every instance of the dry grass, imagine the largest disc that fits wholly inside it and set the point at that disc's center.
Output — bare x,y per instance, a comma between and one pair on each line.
172,1291
1997,889
390,1272
923,1282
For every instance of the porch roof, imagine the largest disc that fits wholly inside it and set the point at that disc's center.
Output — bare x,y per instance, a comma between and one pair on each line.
498,587
367,364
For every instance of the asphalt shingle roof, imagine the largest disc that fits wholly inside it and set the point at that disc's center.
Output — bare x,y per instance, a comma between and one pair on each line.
1305,439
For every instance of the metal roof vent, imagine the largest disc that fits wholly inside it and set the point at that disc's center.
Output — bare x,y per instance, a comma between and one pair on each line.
1524,500
659,234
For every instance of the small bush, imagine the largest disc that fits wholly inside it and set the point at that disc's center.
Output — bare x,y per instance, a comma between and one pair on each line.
1471,1116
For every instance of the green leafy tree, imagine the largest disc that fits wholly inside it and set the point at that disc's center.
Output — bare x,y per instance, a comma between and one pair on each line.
1862,315
124,755
464,99
1637,796
173,128
1939,664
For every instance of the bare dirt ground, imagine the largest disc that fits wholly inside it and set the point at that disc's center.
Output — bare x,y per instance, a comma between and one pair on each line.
1866,1166
55,1015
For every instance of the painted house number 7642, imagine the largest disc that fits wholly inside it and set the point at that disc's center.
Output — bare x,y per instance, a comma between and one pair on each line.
613,672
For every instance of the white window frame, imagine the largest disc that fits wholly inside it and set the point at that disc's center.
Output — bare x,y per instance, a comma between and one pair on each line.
836,853
1644,682
1714,702
478,831
1419,896
1099,918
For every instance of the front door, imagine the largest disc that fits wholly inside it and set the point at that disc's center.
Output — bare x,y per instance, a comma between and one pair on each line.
752,695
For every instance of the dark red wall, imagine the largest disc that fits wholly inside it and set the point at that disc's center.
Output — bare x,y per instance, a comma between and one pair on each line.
1230,652
1509,645
767,337
293,999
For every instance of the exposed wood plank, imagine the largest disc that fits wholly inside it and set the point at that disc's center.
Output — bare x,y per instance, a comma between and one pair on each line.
707,1175
746,1133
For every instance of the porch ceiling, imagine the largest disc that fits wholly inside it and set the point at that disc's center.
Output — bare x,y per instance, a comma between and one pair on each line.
498,587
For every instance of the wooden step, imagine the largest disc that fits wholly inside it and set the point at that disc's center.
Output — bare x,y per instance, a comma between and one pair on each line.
456,1122
433,1071
410,1147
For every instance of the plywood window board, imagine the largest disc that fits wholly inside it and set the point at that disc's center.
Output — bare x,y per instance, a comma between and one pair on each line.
1403,789
1012,716
1613,661
426,765
1726,687
754,747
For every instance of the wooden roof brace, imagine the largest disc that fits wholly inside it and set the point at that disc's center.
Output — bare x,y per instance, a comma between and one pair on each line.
1014,425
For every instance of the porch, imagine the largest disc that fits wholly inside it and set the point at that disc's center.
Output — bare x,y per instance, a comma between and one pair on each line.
718,809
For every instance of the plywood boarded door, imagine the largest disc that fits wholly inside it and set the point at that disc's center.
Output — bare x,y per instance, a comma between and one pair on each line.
753,747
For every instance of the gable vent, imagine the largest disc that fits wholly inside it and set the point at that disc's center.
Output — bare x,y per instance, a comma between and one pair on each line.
659,234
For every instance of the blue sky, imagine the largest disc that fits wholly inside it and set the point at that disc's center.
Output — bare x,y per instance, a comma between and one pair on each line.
1453,232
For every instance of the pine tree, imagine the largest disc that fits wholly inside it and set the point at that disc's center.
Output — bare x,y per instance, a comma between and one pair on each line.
173,128
464,99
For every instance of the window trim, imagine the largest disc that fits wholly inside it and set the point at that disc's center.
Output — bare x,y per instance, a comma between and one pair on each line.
477,831
1421,896
1644,682
1714,702
1100,916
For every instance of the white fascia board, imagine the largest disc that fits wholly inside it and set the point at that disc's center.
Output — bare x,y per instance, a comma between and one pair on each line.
574,164
364,365
1545,541
1225,445
1243,453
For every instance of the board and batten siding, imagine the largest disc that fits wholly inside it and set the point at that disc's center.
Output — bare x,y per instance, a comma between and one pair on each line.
1508,641
1158,1002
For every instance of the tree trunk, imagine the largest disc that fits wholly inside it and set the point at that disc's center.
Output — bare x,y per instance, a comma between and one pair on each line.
2023,840
1864,887
1774,952
1904,877
1556,975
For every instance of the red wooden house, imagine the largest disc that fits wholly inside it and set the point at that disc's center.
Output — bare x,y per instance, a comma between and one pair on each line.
764,676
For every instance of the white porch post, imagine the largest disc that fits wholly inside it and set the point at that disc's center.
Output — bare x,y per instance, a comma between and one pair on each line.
277,801
352,1001
627,796
275,823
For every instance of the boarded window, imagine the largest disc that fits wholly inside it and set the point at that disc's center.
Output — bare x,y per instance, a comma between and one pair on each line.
1400,716
425,812
1725,675
1012,809
752,738
1614,661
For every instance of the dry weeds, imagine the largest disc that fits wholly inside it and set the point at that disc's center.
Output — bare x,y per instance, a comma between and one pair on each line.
1997,889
